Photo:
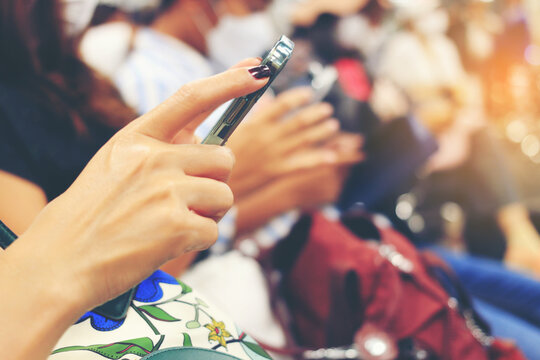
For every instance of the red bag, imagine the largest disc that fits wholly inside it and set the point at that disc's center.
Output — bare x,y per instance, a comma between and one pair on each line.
384,296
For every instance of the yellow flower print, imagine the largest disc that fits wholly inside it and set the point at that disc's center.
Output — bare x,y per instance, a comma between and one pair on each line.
218,332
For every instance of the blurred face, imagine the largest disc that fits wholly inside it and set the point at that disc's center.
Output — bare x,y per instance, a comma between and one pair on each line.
243,30
306,12
240,7
77,15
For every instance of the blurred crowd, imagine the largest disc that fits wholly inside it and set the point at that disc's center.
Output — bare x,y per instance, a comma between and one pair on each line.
466,71
423,112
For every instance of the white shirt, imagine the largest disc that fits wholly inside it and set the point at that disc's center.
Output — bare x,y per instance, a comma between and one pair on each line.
104,48
411,63
156,68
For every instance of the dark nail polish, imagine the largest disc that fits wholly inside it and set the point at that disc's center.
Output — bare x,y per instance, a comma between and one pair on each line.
260,72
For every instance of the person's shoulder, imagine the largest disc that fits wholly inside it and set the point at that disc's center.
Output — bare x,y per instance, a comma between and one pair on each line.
28,118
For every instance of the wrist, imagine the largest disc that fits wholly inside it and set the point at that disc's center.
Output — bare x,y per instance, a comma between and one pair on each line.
45,278
36,309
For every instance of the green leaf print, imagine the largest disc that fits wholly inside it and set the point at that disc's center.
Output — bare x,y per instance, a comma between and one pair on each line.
186,289
187,340
257,349
115,351
157,313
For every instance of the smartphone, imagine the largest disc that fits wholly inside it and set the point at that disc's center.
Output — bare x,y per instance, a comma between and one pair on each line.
323,79
276,60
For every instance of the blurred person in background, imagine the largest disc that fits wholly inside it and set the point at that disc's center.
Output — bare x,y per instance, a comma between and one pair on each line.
289,161
447,101
56,112
434,96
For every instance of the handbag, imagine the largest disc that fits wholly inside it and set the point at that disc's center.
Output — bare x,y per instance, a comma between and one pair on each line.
161,314
179,353
360,286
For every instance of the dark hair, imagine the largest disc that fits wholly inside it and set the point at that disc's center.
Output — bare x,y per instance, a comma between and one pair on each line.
146,17
322,36
38,59
373,11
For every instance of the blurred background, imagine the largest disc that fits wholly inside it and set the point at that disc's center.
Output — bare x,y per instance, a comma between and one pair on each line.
445,94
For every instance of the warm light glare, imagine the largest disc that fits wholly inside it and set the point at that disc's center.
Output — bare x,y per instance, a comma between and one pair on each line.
516,131
530,145
532,55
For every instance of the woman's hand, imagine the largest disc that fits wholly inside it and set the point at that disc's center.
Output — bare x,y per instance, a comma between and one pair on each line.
321,185
305,189
141,201
280,138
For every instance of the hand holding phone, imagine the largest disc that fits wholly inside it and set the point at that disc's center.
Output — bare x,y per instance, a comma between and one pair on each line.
276,60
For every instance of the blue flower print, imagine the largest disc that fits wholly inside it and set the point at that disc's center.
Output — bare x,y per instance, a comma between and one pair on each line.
101,323
149,290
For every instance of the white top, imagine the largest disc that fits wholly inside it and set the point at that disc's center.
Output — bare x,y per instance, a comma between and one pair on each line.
156,68
105,47
412,62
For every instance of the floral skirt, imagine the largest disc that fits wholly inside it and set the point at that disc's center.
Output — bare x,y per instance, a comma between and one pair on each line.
163,314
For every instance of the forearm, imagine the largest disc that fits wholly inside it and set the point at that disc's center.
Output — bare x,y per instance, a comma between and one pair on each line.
35,310
515,222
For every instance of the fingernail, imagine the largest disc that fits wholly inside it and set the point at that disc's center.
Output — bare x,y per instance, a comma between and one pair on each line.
260,72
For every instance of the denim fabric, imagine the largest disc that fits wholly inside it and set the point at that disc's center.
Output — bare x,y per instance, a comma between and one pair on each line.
509,301
490,281
507,326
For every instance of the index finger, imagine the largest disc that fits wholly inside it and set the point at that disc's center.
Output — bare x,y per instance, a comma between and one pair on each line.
171,116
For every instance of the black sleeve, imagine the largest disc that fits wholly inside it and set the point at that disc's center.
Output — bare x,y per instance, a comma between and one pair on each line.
14,157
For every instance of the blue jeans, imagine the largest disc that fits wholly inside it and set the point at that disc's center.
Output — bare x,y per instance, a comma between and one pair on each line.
507,326
507,300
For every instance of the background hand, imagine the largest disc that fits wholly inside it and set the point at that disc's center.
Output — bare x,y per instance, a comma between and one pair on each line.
280,138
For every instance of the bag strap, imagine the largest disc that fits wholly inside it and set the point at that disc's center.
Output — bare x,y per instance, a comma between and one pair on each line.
189,353
450,282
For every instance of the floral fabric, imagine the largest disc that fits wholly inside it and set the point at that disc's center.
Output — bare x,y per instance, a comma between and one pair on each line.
164,313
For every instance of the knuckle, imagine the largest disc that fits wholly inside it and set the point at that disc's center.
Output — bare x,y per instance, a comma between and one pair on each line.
212,233
225,194
176,217
203,236
128,146
227,158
